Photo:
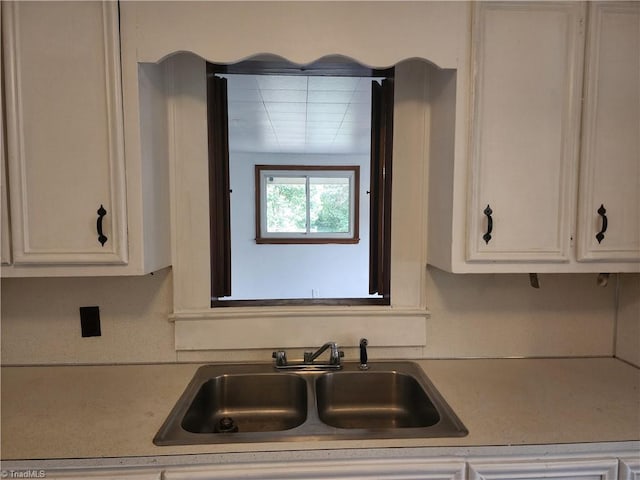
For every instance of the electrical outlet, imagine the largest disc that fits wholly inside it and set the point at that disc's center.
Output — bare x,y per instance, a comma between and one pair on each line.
90,321
315,293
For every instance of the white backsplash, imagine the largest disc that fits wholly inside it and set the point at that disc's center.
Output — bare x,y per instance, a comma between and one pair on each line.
471,316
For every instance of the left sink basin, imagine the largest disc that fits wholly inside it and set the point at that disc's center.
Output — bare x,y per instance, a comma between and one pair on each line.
247,403
236,403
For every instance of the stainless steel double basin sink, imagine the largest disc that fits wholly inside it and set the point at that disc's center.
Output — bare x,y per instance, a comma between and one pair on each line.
255,403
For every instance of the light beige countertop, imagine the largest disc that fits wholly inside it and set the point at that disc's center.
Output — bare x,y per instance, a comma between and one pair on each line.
57,412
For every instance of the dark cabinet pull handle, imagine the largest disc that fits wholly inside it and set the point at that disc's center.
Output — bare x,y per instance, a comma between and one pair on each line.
102,238
602,212
488,212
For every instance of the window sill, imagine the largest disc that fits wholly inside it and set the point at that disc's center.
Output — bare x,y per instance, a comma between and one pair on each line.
291,327
308,240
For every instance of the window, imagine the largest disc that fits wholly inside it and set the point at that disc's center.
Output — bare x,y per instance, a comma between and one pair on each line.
307,204
298,245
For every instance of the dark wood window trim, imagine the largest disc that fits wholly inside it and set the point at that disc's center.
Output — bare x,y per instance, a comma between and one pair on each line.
293,302
329,66
312,238
380,187
219,200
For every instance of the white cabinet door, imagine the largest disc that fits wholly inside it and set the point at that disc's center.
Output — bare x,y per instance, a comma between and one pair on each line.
64,132
526,86
123,473
629,468
385,469
544,469
610,165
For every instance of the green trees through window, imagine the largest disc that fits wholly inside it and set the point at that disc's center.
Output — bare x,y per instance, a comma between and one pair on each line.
329,205
306,203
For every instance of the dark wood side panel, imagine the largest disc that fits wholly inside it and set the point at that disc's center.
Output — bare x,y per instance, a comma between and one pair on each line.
219,191
387,157
375,238
380,188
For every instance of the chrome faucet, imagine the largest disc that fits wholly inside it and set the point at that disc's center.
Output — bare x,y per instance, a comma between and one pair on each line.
335,354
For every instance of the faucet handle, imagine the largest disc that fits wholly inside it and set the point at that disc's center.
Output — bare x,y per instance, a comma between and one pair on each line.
281,357
336,355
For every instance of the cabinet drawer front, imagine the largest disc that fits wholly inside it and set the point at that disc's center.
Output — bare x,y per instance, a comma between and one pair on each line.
64,124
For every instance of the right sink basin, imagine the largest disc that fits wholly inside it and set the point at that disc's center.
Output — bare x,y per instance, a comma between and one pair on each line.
376,400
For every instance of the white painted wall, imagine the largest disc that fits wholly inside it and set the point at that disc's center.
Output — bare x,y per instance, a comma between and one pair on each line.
292,271
471,316
41,321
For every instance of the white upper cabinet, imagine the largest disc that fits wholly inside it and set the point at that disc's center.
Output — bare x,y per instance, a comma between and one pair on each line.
503,188
610,164
64,123
78,206
526,64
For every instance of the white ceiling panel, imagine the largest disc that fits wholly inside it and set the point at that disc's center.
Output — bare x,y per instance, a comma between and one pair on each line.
297,114
284,95
243,95
287,107
242,108
324,117
361,96
281,82
333,83
339,108
242,82
329,96
288,116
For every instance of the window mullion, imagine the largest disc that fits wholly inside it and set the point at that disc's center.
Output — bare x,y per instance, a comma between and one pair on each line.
308,209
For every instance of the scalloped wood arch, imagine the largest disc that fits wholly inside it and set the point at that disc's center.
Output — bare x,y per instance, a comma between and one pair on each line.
376,34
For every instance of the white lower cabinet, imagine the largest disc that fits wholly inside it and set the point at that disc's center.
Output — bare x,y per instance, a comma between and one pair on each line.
122,474
630,468
105,474
503,467
543,469
390,469
384,469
